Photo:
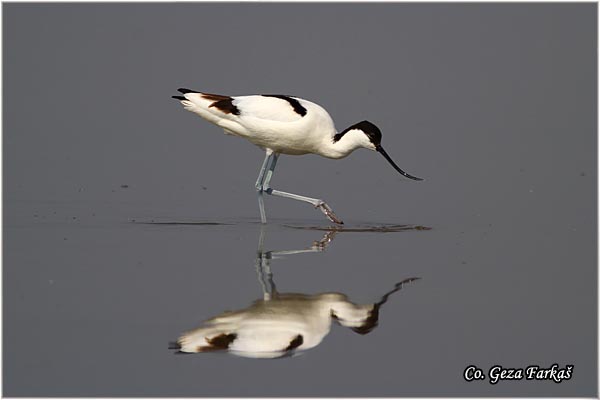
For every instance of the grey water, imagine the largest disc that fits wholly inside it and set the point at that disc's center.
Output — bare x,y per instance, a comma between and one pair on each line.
127,221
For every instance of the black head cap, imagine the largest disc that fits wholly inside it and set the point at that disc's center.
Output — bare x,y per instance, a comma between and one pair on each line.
372,132
374,135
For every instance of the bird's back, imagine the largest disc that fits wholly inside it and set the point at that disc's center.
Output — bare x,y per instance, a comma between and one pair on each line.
284,124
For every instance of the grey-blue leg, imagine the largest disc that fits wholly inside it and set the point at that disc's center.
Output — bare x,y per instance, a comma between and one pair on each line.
318,203
259,185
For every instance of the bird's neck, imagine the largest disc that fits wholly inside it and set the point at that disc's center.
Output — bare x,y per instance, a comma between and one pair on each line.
341,146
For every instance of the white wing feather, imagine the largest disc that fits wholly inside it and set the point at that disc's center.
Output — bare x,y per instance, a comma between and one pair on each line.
267,108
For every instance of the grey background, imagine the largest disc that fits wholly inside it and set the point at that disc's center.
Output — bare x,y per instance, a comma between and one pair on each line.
493,104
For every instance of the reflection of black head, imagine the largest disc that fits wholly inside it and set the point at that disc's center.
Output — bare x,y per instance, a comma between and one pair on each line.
370,323
373,318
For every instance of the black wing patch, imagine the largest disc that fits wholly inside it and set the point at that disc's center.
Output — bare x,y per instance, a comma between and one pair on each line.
220,342
295,343
298,108
221,103
226,106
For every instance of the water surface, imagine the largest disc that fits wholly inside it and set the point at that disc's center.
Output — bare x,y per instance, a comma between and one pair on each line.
128,221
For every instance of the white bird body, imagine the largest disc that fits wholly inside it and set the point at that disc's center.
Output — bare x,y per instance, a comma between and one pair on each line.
282,124
271,123
271,328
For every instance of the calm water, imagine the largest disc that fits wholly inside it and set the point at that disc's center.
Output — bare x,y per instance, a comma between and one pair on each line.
128,221
94,298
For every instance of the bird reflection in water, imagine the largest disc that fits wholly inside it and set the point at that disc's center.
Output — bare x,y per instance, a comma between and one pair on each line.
282,324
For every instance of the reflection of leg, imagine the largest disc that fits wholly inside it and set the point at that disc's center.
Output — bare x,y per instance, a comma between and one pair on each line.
315,202
268,275
263,260
265,276
317,246
259,186
261,239
259,264
263,268
325,240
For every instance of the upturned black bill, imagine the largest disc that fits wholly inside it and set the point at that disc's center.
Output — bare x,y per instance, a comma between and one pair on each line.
397,168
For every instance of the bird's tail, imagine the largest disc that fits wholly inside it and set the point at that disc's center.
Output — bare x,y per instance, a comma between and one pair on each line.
213,107
190,99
